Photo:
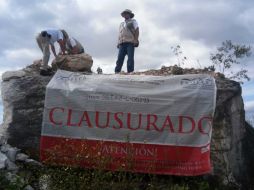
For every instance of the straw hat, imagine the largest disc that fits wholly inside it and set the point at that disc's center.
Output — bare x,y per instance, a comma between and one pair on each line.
129,12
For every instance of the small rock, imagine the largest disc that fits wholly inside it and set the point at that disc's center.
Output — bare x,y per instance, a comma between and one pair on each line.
11,154
21,157
5,148
33,162
11,166
13,75
10,177
3,159
44,182
2,139
13,178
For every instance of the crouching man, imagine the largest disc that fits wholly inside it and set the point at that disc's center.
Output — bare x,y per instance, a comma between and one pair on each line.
45,39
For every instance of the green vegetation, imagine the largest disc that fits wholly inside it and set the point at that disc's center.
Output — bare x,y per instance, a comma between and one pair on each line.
66,178
181,59
228,55
15,182
75,178
224,60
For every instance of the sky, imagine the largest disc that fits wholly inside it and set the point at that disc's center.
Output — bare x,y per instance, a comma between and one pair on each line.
198,26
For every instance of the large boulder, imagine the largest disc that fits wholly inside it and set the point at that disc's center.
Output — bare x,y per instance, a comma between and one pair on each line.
23,95
79,62
227,150
23,99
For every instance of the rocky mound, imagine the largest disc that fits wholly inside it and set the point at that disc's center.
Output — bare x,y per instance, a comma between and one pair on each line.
23,99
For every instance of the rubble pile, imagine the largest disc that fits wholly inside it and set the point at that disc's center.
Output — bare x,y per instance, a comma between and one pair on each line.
13,163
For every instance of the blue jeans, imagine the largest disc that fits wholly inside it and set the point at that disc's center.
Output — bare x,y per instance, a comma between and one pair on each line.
125,49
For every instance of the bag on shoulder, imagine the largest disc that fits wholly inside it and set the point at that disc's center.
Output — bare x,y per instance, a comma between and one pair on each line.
131,29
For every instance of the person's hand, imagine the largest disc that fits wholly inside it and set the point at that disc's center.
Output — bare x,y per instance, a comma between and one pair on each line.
61,53
136,43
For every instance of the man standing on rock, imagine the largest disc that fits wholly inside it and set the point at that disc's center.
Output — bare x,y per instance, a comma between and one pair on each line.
127,41
45,39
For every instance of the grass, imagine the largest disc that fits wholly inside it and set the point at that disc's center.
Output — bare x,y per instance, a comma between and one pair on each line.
66,178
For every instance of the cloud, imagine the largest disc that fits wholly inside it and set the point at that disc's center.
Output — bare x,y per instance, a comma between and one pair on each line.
248,89
20,53
248,97
14,59
197,26
246,19
208,21
249,106
3,6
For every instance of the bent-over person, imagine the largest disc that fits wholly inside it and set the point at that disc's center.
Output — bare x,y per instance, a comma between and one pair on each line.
45,39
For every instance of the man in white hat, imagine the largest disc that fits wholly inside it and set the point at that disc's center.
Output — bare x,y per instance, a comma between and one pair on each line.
127,41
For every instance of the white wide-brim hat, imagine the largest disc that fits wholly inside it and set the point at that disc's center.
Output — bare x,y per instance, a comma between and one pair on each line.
129,12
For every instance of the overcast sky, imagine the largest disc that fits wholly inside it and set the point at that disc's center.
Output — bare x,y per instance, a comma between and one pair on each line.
199,26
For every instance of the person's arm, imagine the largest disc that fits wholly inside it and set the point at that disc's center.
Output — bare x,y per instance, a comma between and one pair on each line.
135,32
73,45
74,50
53,49
136,35
62,46
119,32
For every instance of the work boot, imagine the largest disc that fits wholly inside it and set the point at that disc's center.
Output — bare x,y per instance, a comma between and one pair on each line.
45,72
50,69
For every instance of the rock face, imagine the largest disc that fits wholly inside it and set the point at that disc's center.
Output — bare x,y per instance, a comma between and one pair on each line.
228,133
23,99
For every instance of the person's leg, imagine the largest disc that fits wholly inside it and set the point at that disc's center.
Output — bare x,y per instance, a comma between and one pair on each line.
120,59
46,54
130,53
43,44
39,41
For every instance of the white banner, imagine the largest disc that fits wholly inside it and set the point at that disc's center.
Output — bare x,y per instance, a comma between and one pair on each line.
166,110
